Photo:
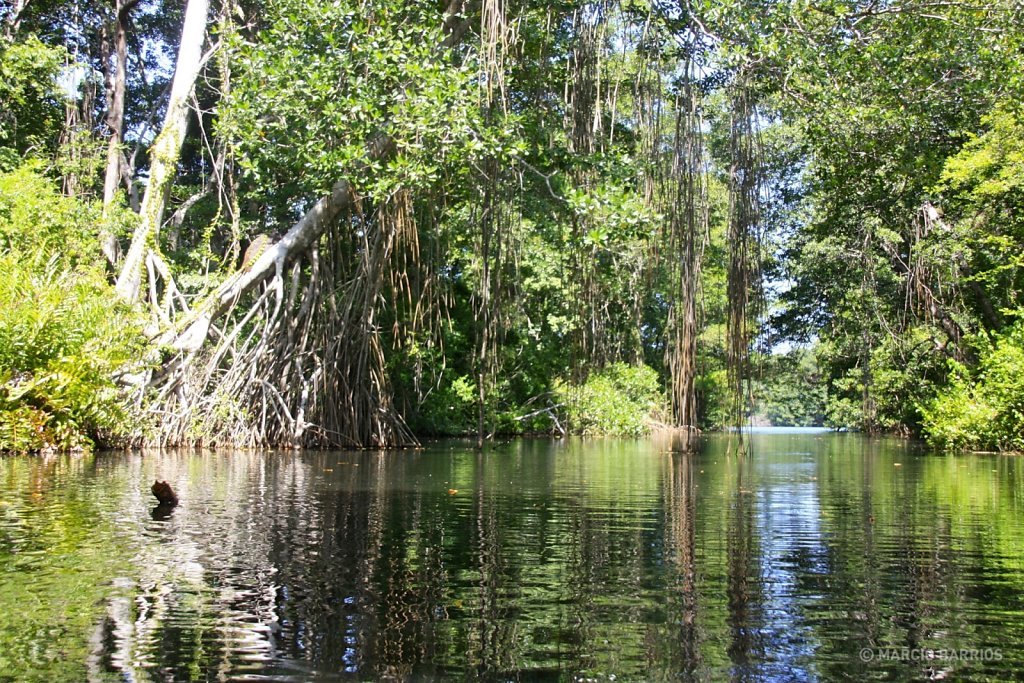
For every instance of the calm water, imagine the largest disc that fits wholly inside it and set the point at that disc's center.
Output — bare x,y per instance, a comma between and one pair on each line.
603,560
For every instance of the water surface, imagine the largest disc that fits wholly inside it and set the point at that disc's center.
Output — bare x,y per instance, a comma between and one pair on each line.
818,556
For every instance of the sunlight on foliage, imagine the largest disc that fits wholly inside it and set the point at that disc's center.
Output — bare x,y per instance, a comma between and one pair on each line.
63,339
621,400
983,409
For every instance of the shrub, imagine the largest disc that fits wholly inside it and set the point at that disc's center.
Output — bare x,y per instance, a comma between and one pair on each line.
450,410
63,336
61,342
621,400
712,389
790,392
983,411
39,224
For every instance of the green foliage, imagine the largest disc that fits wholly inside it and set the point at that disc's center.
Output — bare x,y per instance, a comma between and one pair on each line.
983,408
63,337
60,347
614,216
538,242
984,189
903,372
713,399
325,79
450,410
30,100
791,393
898,113
990,166
36,221
621,400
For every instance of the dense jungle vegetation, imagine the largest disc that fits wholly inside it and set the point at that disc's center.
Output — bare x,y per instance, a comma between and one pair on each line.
365,222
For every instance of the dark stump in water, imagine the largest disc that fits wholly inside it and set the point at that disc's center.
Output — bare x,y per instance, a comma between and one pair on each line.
164,493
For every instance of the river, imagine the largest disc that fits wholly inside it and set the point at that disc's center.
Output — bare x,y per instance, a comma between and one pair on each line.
815,556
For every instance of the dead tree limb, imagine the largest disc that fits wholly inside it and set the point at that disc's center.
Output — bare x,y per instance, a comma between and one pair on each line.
166,148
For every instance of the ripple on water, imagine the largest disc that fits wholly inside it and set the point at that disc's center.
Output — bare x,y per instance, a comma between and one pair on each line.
575,561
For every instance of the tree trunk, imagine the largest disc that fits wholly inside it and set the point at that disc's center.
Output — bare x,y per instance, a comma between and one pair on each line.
272,261
166,149
349,398
14,18
115,120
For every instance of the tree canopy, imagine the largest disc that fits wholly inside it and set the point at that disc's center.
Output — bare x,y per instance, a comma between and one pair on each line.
362,223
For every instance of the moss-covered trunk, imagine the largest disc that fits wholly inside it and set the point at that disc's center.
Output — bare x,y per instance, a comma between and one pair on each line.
166,148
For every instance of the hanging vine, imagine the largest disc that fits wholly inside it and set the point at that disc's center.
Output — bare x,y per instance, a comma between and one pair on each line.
688,234
496,213
743,285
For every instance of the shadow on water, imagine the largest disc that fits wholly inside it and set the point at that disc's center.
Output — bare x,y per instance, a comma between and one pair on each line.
162,512
533,560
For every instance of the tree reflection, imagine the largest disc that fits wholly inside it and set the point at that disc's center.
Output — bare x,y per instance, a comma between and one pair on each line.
680,544
744,593
579,560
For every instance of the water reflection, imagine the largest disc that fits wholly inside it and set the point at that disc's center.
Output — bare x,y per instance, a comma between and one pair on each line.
533,560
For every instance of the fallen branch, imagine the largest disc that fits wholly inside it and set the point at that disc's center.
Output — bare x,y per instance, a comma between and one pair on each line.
550,411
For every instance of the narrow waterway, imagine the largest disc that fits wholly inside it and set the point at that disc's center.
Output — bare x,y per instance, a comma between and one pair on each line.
817,556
